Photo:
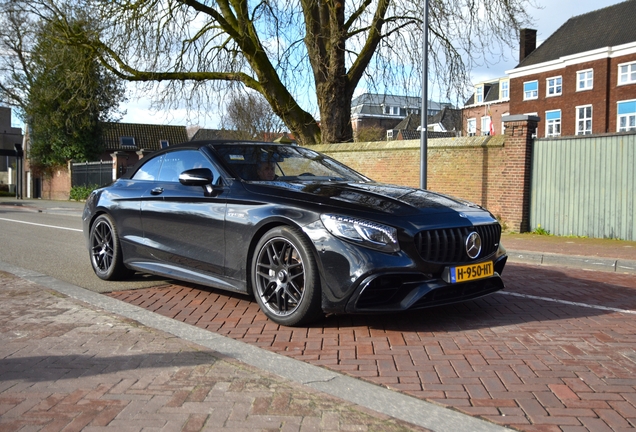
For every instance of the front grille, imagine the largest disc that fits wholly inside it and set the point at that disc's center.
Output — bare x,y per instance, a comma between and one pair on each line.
448,245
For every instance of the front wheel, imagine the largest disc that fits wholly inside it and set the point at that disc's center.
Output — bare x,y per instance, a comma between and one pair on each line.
285,278
105,252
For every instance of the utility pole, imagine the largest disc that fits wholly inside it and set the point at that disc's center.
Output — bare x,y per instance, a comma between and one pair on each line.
424,128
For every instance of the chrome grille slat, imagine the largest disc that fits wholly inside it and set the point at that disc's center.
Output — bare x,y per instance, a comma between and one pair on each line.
447,245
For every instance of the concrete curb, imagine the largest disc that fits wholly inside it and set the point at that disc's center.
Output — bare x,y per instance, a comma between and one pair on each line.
573,261
371,396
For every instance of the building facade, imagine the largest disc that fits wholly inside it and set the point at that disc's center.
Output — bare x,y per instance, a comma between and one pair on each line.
371,110
482,113
582,79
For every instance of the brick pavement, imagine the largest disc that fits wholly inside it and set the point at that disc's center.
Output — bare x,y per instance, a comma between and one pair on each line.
67,366
517,361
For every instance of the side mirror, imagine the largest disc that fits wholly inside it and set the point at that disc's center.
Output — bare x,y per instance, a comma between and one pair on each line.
199,177
196,177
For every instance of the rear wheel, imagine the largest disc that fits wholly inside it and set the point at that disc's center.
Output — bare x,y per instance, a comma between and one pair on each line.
105,252
285,279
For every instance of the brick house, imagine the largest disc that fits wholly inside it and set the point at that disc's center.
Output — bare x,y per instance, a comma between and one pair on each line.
129,140
582,79
482,113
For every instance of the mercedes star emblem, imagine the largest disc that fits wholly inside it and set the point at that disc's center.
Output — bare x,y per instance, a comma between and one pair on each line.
473,245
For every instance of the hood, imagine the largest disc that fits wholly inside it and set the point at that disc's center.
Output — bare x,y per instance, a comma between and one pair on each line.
390,199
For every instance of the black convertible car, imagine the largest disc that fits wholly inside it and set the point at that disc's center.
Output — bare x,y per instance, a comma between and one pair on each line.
303,233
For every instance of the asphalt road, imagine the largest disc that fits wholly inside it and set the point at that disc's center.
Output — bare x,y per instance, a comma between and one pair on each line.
53,244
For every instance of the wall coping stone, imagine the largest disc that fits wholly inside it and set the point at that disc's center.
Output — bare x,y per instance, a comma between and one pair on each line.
409,145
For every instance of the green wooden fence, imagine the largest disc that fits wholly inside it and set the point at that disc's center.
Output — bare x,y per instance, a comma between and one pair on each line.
585,186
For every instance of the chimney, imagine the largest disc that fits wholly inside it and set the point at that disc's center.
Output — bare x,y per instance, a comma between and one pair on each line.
527,42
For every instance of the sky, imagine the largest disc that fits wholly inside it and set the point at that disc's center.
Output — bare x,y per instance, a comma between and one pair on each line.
546,19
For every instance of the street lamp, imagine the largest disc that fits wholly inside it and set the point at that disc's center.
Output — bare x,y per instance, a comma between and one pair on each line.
424,133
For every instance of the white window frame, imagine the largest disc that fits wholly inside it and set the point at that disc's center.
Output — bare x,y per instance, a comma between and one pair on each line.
471,131
579,119
485,125
554,84
504,89
479,94
530,94
583,78
127,142
554,123
629,74
629,116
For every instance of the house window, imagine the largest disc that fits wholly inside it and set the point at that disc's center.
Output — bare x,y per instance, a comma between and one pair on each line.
164,143
127,142
554,87
479,94
485,125
553,123
471,127
504,89
391,110
626,116
584,120
627,73
530,90
585,80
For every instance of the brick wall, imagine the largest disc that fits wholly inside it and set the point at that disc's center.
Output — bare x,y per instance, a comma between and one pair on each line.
58,186
491,171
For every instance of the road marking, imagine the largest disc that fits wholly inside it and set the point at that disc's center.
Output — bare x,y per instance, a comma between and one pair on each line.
605,308
42,225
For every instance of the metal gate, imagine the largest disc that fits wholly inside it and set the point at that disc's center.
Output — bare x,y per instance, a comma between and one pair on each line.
585,186
91,173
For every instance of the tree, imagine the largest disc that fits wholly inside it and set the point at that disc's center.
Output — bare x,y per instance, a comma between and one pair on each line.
294,51
252,117
62,92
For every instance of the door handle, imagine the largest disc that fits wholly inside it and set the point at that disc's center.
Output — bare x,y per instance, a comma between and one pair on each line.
157,191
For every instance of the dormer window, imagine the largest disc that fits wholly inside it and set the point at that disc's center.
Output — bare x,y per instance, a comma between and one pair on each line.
164,143
391,110
127,142
504,89
479,94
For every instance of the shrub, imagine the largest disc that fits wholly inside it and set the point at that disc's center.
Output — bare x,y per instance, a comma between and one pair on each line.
80,193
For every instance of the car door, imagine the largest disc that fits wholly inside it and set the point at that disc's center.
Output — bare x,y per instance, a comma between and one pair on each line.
184,225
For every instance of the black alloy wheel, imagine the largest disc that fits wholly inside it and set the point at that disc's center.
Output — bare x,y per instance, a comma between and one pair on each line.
284,278
106,256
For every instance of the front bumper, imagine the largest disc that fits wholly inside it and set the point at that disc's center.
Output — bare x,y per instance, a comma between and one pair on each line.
390,292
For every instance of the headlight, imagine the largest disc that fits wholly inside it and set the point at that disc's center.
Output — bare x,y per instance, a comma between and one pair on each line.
366,233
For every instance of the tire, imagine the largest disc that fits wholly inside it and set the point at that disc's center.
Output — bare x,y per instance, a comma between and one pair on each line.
105,250
285,279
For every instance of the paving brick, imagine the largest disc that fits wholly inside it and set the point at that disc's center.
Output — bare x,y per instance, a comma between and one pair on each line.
558,356
95,371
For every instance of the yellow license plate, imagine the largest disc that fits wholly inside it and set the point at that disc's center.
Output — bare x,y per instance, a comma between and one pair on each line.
471,272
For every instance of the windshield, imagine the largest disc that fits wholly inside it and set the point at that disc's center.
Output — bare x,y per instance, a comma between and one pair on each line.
265,162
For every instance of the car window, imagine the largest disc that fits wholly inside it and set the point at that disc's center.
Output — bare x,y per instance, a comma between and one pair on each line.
176,162
149,170
289,163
